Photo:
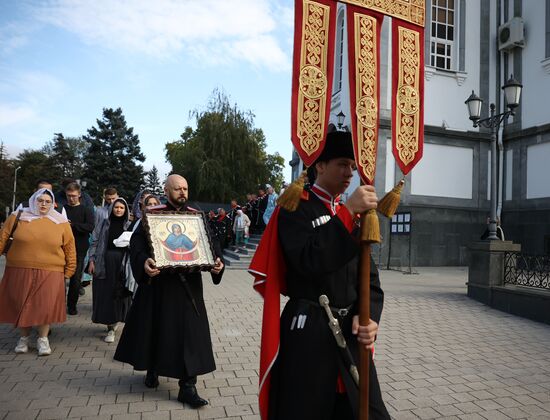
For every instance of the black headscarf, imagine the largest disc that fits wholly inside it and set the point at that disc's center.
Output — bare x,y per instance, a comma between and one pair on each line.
116,226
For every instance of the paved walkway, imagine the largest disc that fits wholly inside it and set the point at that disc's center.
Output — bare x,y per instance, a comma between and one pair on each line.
439,355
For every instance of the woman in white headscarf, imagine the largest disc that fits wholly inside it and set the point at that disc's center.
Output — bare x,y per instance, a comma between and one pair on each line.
241,226
40,257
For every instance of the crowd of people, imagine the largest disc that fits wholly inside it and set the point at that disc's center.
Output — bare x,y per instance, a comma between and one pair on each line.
53,239
50,242
235,226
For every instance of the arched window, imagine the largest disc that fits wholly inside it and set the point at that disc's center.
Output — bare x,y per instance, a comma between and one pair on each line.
339,58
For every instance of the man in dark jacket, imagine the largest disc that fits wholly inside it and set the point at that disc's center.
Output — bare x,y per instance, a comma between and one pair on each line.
166,333
81,219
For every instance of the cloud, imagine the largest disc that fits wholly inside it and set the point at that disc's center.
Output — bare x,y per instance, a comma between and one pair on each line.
12,37
31,87
217,31
25,93
11,114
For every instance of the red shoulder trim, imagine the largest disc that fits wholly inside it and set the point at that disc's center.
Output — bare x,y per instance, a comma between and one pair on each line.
305,195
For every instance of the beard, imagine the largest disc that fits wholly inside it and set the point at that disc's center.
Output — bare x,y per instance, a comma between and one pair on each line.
178,201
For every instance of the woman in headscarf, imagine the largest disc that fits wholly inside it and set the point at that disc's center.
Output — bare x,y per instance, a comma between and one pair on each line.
41,256
142,200
111,300
241,227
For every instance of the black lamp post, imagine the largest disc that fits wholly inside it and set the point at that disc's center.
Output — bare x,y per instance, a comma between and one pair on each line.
341,117
512,92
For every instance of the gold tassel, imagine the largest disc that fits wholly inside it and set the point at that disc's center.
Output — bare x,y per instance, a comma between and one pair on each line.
290,199
389,203
370,227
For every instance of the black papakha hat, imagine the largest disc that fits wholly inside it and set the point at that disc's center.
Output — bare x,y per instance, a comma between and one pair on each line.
338,144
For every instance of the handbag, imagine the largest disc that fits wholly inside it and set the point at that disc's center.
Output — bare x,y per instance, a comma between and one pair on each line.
10,238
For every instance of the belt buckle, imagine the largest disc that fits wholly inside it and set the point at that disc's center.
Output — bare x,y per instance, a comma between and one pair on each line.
342,312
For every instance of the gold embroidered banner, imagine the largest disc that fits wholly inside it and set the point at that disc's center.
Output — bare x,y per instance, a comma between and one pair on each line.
313,67
407,94
412,11
364,81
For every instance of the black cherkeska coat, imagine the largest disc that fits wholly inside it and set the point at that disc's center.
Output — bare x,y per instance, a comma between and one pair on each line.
322,258
163,332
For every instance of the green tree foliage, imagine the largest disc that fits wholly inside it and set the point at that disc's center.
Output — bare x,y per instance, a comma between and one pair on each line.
152,182
224,157
66,156
35,165
113,156
6,186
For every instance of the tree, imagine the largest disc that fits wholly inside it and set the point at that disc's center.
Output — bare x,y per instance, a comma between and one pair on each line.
66,155
6,175
113,156
152,182
224,157
35,165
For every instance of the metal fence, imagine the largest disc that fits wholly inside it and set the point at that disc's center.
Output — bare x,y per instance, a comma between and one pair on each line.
527,270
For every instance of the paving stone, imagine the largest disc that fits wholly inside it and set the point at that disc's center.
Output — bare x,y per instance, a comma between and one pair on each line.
54,413
426,413
110,409
82,411
184,414
424,373
144,406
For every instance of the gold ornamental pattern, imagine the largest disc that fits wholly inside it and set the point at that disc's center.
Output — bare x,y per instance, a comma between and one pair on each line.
412,11
366,92
312,92
407,106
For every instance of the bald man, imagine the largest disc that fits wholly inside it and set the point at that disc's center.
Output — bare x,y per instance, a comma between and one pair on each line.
164,333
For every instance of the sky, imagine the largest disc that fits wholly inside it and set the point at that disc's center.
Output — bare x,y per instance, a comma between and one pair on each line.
63,61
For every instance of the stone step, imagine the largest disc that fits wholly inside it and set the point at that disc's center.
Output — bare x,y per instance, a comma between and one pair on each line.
232,263
240,250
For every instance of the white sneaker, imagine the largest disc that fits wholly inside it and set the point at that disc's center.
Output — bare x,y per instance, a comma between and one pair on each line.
43,346
22,345
110,337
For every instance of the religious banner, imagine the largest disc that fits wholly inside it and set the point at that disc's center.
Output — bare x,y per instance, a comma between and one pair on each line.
364,82
412,11
407,94
313,68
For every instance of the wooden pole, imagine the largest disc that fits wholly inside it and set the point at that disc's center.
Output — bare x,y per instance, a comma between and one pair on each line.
369,234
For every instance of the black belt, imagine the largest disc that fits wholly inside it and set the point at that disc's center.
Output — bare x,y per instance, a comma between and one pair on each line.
341,312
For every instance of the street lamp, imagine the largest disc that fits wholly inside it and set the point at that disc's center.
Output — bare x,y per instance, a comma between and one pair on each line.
341,117
512,93
14,187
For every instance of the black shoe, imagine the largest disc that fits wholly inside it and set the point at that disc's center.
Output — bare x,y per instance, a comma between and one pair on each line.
85,283
72,311
151,379
188,394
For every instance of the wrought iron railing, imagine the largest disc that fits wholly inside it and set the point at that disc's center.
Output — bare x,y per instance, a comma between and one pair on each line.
527,270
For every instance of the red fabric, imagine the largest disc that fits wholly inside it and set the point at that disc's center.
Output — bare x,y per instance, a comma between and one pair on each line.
345,216
298,14
352,59
269,268
396,23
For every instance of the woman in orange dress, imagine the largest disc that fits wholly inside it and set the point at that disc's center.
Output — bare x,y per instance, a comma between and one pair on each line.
41,256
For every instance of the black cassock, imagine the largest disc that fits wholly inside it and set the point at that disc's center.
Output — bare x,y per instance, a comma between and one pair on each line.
322,258
163,331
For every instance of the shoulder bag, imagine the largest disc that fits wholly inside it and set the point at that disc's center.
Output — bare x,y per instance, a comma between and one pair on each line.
10,238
